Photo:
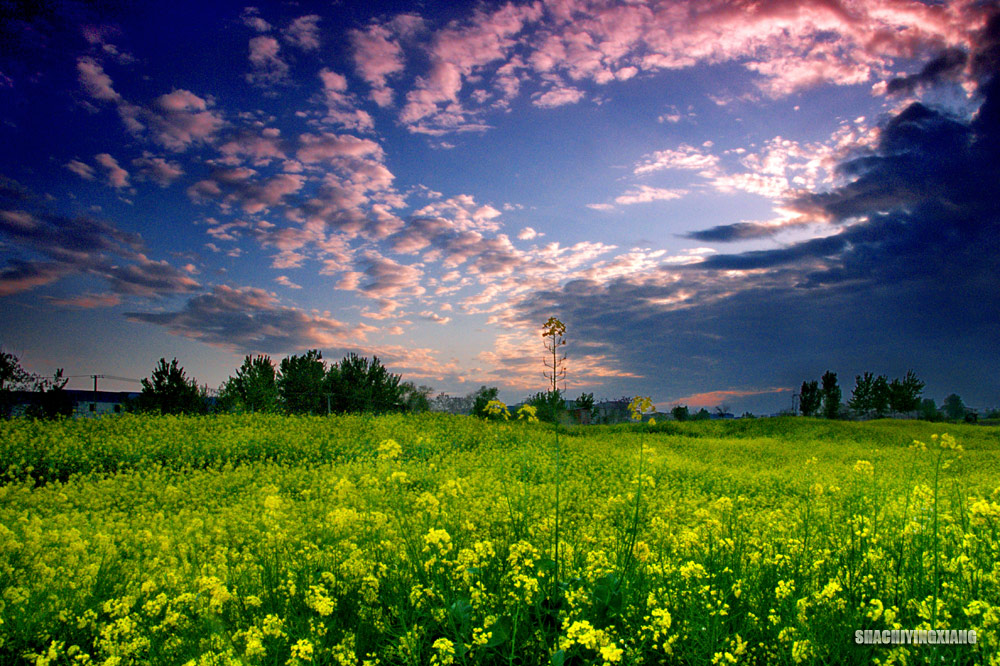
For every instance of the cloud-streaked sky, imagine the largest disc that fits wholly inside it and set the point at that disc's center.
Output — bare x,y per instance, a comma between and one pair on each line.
719,199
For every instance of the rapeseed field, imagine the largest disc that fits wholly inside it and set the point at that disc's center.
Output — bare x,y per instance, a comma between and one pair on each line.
436,539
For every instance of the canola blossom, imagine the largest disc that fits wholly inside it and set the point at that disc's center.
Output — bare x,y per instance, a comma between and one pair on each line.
264,539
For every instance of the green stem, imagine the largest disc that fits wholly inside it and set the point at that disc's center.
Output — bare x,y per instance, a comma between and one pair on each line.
937,571
558,483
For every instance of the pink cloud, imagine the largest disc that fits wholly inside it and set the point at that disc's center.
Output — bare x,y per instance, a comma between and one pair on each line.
513,362
434,317
181,118
237,186
251,18
457,52
303,32
88,301
157,169
789,46
95,81
268,67
259,147
81,169
385,278
20,276
341,106
378,52
713,398
326,147
117,176
149,278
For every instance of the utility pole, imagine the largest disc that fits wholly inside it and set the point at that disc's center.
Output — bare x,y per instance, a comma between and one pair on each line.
95,378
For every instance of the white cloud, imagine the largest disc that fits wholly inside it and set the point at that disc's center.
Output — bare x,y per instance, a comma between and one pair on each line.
557,97
646,194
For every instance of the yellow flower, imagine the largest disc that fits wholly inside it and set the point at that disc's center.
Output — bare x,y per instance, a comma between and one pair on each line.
495,408
864,467
445,652
389,449
303,650
528,413
639,406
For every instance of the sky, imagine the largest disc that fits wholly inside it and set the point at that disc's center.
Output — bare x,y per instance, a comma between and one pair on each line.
718,199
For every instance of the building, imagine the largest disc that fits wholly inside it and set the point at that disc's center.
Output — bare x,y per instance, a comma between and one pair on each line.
85,403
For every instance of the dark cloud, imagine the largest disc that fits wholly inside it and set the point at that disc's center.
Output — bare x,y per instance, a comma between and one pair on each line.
909,279
248,320
947,66
149,279
18,276
72,240
83,246
728,233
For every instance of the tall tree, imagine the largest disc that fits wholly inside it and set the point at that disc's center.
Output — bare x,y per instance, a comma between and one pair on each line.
861,396
169,391
880,397
359,385
52,399
928,411
831,395
954,408
904,396
12,378
810,398
586,403
481,398
554,336
549,406
253,388
302,383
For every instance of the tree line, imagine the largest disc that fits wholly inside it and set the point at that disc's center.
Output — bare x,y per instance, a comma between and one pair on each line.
877,397
299,384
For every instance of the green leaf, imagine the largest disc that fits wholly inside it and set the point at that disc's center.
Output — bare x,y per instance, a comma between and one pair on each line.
500,632
461,613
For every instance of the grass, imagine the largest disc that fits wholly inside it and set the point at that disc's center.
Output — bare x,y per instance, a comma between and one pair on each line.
435,539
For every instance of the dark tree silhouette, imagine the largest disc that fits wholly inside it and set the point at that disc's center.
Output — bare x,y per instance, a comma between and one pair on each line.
954,408
12,378
831,395
481,397
169,391
904,395
254,387
302,383
810,398
52,400
359,385
861,396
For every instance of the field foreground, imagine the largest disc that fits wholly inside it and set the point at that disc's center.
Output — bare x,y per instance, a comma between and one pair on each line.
445,540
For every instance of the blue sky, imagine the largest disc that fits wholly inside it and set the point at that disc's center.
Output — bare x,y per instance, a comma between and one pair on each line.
720,200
